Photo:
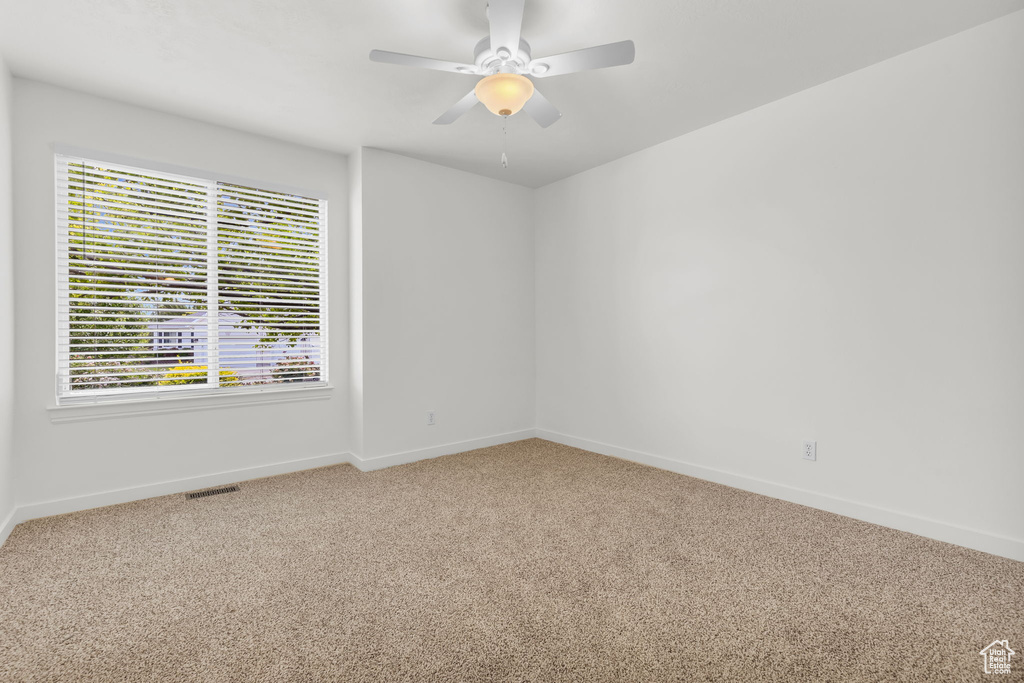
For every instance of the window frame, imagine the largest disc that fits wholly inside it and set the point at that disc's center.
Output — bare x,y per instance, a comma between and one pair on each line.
232,395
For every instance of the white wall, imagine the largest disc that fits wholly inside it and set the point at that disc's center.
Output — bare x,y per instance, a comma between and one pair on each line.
843,265
67,460
6,308
355,288
447,296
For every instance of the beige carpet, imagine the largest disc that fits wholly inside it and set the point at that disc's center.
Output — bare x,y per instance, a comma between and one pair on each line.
525,562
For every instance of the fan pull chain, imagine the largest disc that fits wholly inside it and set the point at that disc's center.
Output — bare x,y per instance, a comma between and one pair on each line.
504,141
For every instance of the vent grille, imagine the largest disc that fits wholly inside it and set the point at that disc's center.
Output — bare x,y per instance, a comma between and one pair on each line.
211,492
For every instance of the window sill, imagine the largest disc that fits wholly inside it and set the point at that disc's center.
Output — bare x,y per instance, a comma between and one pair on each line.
88,412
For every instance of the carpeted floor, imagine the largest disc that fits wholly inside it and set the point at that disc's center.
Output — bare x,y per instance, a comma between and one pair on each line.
524,562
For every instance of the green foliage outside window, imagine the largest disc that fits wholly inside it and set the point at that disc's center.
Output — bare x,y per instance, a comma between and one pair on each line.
296,369
196,374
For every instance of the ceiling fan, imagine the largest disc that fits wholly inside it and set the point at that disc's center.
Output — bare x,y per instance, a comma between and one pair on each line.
504,60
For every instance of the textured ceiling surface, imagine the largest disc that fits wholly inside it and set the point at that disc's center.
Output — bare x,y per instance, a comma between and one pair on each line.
298,69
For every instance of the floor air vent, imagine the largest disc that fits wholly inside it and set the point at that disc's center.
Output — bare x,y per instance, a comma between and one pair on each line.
211,492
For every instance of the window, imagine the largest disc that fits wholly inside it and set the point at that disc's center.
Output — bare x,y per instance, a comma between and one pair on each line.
169,283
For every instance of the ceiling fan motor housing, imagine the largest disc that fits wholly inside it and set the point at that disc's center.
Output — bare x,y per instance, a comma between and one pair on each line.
489,61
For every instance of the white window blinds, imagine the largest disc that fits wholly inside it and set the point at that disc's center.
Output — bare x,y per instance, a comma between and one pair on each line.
168,283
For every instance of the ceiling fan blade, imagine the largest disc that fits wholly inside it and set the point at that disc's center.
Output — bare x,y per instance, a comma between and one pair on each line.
458,109
506,19
540,110
421,62
612,54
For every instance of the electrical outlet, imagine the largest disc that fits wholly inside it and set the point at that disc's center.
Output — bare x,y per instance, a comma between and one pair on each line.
431,418
810,450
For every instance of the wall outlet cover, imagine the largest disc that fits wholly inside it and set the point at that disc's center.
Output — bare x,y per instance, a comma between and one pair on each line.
810,451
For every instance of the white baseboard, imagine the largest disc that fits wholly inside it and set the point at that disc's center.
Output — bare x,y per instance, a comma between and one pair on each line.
922,526
24,513
61,506
382,461
7,526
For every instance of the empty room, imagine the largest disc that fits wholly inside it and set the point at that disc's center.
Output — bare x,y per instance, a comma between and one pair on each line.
511,340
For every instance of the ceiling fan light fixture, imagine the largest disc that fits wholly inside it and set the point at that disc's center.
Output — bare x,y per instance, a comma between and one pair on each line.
504,94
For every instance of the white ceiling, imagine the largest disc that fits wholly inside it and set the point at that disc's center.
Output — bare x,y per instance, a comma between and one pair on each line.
298,69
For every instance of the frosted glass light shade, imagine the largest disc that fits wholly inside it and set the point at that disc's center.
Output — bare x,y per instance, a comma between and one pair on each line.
504,94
